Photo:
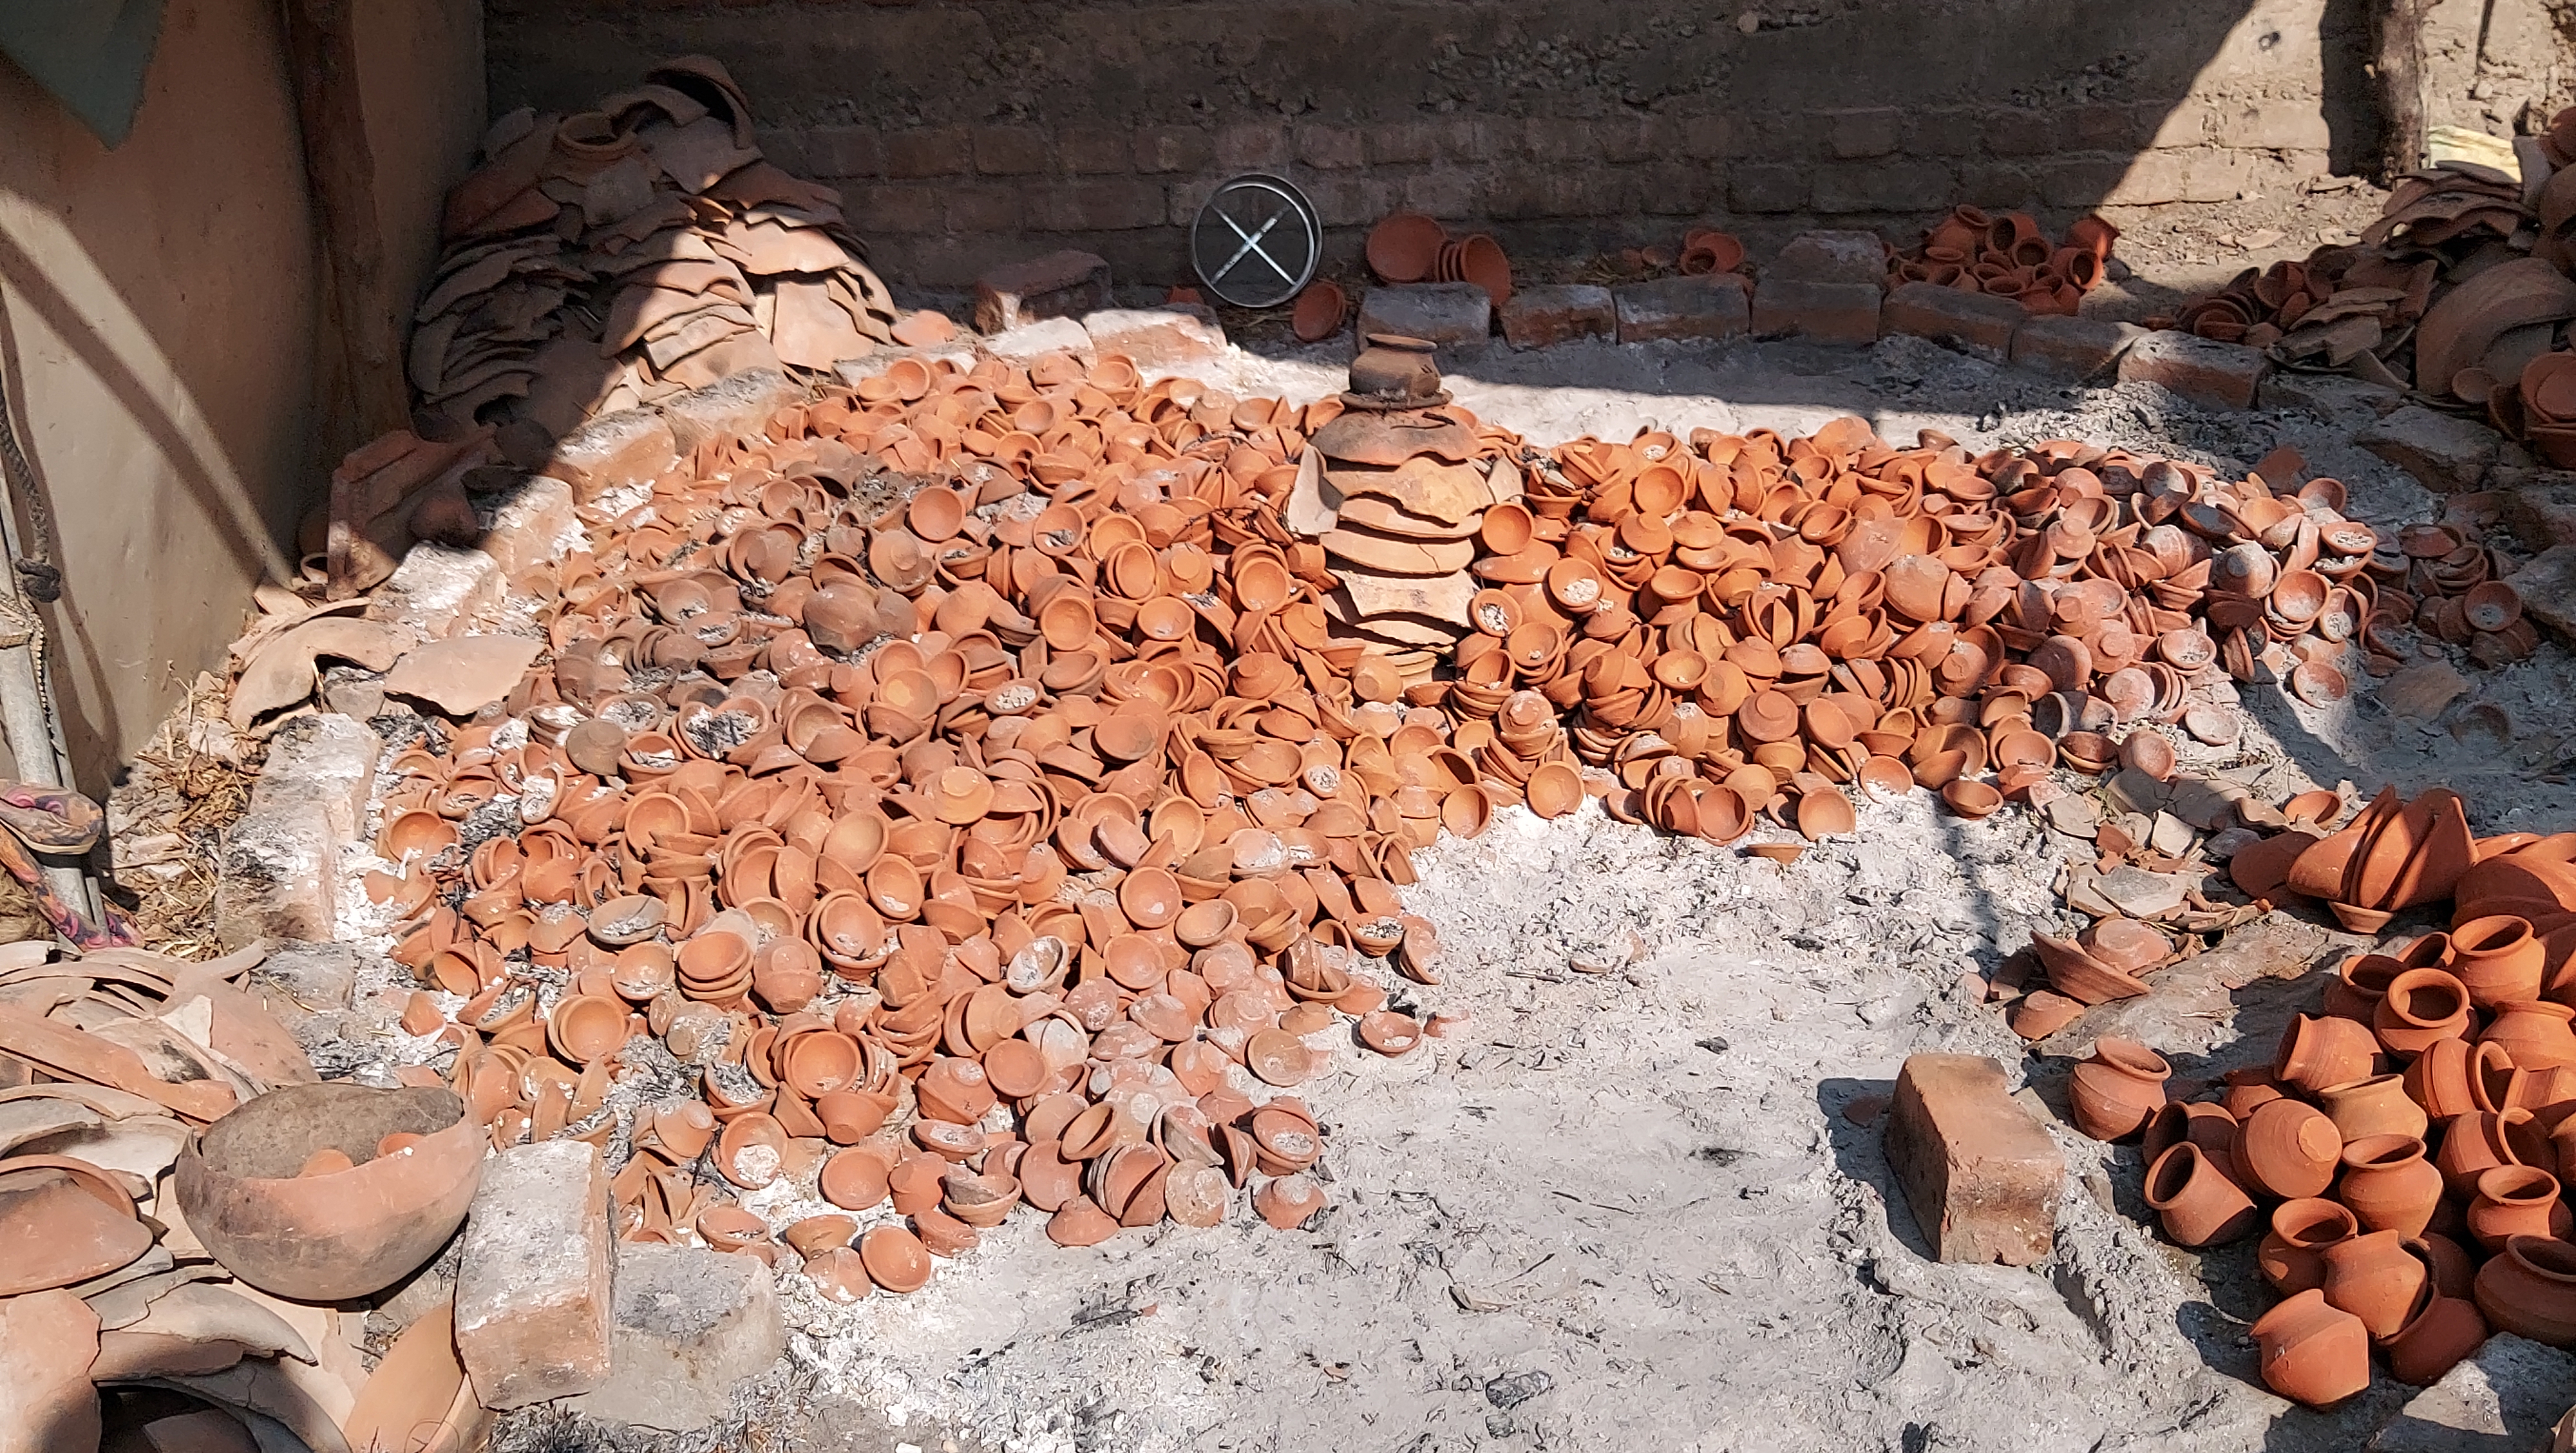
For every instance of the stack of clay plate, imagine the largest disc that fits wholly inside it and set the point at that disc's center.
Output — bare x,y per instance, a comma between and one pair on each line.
613,257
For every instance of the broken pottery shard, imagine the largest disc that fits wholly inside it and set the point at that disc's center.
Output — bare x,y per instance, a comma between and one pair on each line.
463,674
413,1389
1450,493
533,1306
281,672
1444,597
1308,512
1982,1176
2142,894
63,1224
47,1343
1400,557
1371,512
2420,691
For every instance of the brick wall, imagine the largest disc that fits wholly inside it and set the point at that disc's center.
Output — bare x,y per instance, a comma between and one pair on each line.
969,131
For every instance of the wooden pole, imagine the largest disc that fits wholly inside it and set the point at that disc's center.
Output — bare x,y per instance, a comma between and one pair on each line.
2398,67
362,357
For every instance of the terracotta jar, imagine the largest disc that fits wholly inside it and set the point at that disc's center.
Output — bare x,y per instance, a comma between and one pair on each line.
2442,1079
2475,1143
2199,1204
2421,1006
2208,1126
2313,1352
2518,1200
2535,1032
2316,1052
2442,1331
2529,1289
2288,1149
2389,1186
2118,1088
2249,1090
2375,1278
2291,1252
2454,1270
2375,1106
2357,988
2498,958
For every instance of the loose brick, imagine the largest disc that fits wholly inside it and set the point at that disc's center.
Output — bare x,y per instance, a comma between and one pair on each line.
1157,337
613,451
938,151
2448,453
2211,374
693,1325
437,588
734,408
1827,312
845,151
1948,315
534,1295
529,524
1010,151
2075,347
1057,285
2547,584
1682,307
1831,257
2539,505
1982,1177
1537,317
1456,316
1873,131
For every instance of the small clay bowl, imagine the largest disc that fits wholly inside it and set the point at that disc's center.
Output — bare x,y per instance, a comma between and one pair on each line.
1971,799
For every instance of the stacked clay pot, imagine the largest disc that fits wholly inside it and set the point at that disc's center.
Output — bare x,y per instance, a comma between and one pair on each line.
2406,1154
2007,255
965,781
1408,247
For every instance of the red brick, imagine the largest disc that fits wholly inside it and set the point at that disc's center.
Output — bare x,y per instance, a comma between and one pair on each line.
1442,194
1010,151
1331,147
1981,1175
1767,188
1541,316
534,1296
940,151
1948,315
1058,285
2209,373
1625,137
1099,204
1350,201
845,151
613,451
1173,148
1682,307
1255,144
1403,143
1093,150
899,207
981,206
1558,139
1826,312
2078,347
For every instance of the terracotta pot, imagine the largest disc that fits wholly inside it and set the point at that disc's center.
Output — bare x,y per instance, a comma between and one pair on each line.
2443,1331
2288,1149
2312,1352
2443,1078
2535,1032
2517,1200
2315,1053
2498,958
2476,1143
2453,1269
2389,1186
337,1237
2373,1276
2419,1007
1319,311
2529,1289
2290,1255
2118,1088
2375,1106
1404,247
2208,1126
2199,1205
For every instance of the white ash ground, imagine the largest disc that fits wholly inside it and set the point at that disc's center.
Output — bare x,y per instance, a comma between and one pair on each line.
1624,1209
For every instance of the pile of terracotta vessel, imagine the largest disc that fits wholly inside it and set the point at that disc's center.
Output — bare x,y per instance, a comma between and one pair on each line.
2460,290
613,257
2407,1148
2008,256
1026,839
186,1208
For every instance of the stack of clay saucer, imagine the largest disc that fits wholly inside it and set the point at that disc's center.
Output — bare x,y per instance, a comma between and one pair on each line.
1394,491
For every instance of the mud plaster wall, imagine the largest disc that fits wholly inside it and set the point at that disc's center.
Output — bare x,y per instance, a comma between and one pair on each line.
967,131
160,307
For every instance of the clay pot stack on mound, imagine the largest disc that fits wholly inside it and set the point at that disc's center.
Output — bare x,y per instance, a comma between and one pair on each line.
2008,256
606,259
2407,1149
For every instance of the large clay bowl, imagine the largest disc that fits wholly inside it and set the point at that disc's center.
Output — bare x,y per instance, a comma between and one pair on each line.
330,1238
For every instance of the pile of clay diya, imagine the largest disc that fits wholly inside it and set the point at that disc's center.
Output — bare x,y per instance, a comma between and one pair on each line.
1031,839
